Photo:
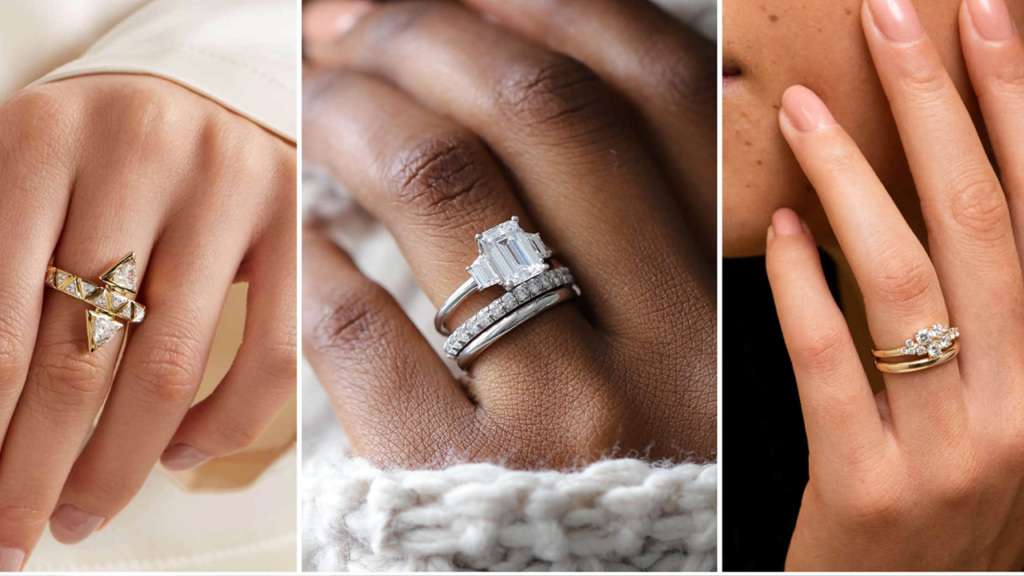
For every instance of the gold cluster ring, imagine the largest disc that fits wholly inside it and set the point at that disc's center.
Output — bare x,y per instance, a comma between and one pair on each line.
112,305
937,345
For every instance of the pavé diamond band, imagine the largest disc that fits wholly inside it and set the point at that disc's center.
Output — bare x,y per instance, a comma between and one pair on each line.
937,344
112,306
507,312
508,257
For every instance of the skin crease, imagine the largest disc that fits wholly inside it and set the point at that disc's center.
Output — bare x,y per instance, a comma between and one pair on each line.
777,44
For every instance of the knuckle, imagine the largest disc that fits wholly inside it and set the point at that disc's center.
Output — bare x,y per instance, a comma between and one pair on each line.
903,281
440,177
1008,81
840,156
351,319
14,353
36,119
979,209
958,486
819,350
110,487
68,378
168,373
279,364
234,436
553,90
22,512
926,84
683,74
877,503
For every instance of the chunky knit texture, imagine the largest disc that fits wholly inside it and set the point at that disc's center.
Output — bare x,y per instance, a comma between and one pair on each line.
613,515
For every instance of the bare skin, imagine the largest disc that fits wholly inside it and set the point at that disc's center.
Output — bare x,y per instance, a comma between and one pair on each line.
91,168
927,475
607,150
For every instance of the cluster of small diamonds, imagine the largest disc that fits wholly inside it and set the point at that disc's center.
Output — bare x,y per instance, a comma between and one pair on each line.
931,341
499,308
103,299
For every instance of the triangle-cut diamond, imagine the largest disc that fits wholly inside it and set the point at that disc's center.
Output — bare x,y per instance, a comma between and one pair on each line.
117,301
126,312
123,274
99,299
89,289
102,329
61,277
49,277
72,288
140,313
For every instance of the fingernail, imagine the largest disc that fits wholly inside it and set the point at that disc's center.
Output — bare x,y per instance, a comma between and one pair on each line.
896,19
182,457
11,559
805,111
326,20
786,222
991,19
69,525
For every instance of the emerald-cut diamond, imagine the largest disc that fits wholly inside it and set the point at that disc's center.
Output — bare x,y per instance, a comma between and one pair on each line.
508,256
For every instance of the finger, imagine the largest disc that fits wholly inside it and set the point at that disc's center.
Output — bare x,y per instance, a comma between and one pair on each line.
32,214
969,231
839,409
581,168
665,69
901,291
995,60
383,378
67,385
159,374
262,377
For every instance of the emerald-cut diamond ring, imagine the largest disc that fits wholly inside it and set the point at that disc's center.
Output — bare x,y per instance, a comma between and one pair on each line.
509,257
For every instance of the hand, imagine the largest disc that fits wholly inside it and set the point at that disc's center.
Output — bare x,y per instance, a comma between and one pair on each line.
91,168
444,124
928,475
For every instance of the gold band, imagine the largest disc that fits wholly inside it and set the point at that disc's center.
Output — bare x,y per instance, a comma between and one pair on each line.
914,365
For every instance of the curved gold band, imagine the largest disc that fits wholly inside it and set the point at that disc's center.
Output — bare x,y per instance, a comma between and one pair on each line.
915,365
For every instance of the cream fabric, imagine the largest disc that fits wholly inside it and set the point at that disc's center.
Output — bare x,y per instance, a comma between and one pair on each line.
244,55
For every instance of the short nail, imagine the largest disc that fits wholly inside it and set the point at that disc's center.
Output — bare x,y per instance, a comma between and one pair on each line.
991,19
182,457
786,222
69,525
11,559
805,111
326,20
896,19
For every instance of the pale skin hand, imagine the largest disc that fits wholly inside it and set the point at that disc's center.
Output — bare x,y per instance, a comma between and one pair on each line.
929,475
517,128
91,168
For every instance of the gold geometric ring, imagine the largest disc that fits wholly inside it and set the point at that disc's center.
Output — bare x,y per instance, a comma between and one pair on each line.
937,343
111,304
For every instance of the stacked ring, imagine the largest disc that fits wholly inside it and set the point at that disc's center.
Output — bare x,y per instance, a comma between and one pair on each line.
516,260
938,343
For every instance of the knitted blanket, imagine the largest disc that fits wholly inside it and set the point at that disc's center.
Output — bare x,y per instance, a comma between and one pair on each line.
612,515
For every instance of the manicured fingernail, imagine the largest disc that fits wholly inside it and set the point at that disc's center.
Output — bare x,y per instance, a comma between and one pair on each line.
896,19
69,525
805,111
786,222
11,559
991,19
325,20
182,457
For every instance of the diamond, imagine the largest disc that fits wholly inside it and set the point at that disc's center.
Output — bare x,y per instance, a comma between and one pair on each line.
946,342
545,282
461,336
522,294
99,299
934,350
117,301
88,289
497,308
924,336
534,286
140,313
921,351
102,329
910,344
905,351
954,332
123,274
126,312
510,301
49,276
72,288
61,277
511,254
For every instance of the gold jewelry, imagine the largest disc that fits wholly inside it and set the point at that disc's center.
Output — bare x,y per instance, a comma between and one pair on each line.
112,304
938,343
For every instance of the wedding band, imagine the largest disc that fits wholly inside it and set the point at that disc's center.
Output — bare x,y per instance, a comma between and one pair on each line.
112,306
507,313
938,343
508,257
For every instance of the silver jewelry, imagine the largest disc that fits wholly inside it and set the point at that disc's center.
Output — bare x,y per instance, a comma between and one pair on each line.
506,313
509,257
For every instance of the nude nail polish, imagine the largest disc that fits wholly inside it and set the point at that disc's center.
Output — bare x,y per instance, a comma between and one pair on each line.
11,559
896,19
182,457
991,19
786,222
70,525
324,21
805,111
